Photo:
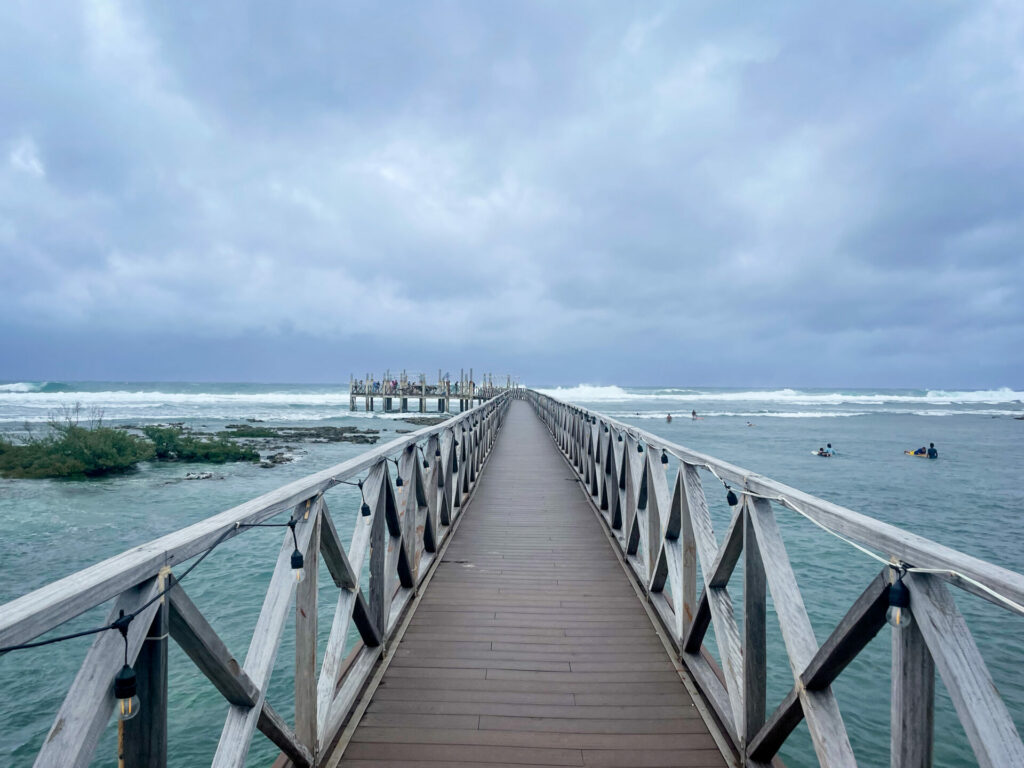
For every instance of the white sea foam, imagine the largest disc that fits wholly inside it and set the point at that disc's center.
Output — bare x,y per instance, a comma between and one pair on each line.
587,393
23,386
590,393
33,401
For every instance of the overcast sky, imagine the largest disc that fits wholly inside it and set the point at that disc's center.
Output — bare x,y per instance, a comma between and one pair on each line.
645,193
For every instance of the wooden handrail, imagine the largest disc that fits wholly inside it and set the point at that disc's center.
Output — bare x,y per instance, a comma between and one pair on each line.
663,531
401,530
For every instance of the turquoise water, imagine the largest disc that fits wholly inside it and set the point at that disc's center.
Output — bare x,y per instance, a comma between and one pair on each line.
970,499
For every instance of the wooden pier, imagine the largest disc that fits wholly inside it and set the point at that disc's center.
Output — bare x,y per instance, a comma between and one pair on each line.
533,597
530,645
402,389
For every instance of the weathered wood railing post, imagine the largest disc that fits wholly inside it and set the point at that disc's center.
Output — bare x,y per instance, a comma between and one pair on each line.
913,700
306,636
144,737
755,652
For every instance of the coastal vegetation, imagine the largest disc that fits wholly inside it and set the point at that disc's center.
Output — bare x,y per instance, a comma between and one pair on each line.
70,449
175,444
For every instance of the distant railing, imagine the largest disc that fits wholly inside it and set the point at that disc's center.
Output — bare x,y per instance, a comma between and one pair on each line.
663,533
402,525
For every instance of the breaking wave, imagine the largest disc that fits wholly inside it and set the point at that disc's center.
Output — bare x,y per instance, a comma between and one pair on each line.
588,393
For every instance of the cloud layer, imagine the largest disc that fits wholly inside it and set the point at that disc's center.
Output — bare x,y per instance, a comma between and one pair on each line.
651,194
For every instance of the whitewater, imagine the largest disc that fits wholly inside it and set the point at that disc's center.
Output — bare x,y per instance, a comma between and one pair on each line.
36,402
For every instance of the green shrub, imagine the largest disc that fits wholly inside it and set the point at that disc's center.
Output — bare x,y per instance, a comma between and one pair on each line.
73,451
174,444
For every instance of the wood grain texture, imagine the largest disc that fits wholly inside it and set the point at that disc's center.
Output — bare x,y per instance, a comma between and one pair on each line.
984,716
90,700
194,635
911,737
828,733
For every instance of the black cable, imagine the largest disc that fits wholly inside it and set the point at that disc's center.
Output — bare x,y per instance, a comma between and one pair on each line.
122,622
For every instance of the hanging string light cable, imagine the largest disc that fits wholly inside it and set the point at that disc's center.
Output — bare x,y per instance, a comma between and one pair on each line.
364,508
124,620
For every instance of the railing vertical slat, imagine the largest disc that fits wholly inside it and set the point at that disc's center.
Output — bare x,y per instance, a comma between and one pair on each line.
145,735
828,734
985,718
755,656
913,700
305,640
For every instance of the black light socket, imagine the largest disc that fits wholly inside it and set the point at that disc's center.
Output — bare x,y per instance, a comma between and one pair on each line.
124,683
899,595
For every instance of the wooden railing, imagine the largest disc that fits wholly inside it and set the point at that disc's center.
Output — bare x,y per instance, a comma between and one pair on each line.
664,530
402,525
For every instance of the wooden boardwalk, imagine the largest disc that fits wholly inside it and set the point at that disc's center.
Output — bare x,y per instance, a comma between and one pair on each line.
530,646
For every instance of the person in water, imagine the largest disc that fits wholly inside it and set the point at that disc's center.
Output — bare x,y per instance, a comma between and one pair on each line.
932,453
668,419
828,449
693,414
922,451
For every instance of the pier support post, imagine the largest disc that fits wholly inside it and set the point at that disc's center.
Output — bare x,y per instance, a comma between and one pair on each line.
913,700
145,735
405,404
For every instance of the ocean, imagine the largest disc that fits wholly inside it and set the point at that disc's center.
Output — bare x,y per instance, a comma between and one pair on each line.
971,499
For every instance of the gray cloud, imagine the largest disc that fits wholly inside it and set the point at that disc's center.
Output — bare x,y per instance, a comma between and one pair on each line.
706,194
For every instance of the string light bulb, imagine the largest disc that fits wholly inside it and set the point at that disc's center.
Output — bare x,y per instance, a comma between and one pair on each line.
730,497
898,614
125,688
664,457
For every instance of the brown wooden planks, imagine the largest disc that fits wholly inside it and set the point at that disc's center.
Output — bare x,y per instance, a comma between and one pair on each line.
530,647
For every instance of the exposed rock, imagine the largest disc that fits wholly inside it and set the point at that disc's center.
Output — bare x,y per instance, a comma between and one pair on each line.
425,421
